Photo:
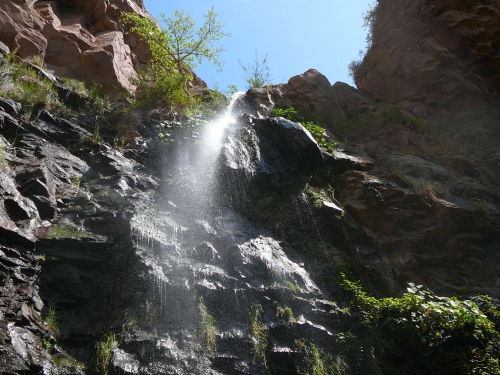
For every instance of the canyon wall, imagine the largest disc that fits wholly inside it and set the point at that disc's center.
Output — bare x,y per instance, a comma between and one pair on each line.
434,55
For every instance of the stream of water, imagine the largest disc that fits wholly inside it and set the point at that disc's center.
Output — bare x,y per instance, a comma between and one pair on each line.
208,260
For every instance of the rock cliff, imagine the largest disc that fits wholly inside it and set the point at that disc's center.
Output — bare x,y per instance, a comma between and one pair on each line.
223,247
432,55
77,39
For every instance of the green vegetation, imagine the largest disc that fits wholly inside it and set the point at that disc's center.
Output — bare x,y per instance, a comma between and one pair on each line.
2,155
316,131
73,364
259,332
76,86
369,20
285,314
47,344
175,52
19,81
294,288
425,323
105,352
258,74
67,230
51,321
320,363
209,329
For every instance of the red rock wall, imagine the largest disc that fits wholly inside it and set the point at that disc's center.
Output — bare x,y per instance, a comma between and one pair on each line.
78,39
434,55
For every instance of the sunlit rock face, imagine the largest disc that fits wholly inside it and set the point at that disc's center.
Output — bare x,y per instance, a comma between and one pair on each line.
77,39
433,55
309,93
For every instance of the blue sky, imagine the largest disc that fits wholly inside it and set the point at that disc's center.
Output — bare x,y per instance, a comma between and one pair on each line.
296,34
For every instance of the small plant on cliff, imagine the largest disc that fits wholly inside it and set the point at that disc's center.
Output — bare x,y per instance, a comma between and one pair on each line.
316,131
105,352
76,86
285,313
259,332
258,73
2,155
51,321
318,362
175,50
209,329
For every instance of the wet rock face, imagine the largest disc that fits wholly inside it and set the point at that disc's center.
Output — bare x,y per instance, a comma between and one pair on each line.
404,217
77,39
433,55
63,208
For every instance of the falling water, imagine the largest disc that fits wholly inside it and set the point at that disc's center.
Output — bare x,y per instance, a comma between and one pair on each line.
197,250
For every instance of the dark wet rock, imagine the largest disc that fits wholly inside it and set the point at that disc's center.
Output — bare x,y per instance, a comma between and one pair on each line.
10,106
289,140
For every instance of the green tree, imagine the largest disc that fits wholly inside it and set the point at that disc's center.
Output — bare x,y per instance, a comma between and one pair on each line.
175,51
258,74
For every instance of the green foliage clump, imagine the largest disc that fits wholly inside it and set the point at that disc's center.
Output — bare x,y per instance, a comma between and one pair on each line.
19,81
51,321
316,131
76,86
355,67
285,313
104,354
258,74
259,332
2,155
369,20
426,323
175,52
320,363
209,329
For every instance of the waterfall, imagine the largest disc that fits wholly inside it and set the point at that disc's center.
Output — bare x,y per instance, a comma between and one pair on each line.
210,267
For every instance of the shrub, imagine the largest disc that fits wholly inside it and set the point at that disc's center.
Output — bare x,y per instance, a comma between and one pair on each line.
76,86
354,68
316,131
258,74
427,323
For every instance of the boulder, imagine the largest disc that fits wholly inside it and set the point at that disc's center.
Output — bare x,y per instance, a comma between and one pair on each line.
309,93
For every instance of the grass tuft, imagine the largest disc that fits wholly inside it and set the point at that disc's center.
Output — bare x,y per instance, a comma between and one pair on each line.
259,332
105,352
209,329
